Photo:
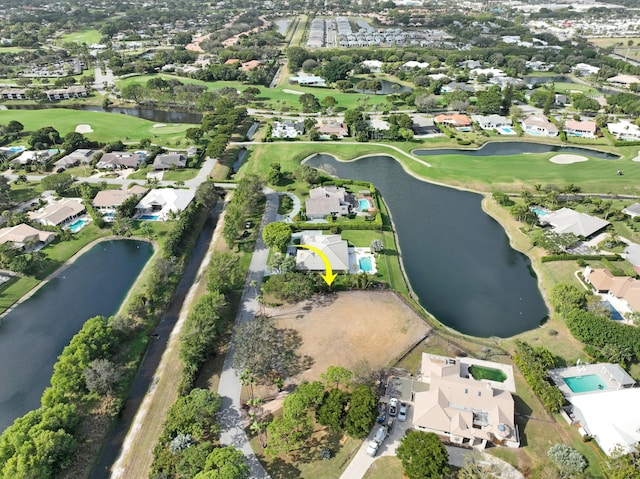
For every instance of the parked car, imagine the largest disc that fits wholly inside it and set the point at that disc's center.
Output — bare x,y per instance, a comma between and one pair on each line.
393,406
390,423
402,414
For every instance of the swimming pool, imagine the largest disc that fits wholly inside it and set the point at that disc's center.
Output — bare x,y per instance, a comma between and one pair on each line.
77,225
364,204
366,264
583,384
150,217
540,212
615,315
505,130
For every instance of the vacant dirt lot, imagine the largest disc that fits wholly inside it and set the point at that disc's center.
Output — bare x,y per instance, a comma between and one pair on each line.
351,327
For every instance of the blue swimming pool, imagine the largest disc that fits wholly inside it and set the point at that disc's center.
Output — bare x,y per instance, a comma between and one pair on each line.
587,383
364,204
77,225
615,315
540,212
366,264
505,130
150,217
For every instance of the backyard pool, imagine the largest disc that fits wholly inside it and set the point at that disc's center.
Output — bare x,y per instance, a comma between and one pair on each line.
505,130
150,217
77,225
583,384
615,315
366,264
364,204
540,212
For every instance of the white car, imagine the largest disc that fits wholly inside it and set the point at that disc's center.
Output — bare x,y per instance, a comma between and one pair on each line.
402,414
393,407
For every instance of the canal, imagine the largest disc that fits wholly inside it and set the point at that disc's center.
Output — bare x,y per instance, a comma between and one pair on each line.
457,258
506,148
34,333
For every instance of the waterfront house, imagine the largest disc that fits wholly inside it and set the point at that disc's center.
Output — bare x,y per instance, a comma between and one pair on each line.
454,120
623,80
566,220
13,94
326,201
307,80
328,128
109,200
66,93
23,235
583,129
333,247
58,213
584,69
491,122
623,288
374,66
469,411
624,130
160,202
539,125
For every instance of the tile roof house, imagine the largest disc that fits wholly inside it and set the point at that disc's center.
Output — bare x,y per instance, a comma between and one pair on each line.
76,157
27,157
623,80
109,200
333,128
287,129
466,410
169,160
539,125
624,130
584,129
334,248
621,287
454,120
329,200
121,159
457,86
566,220
21,235
59,212
164,200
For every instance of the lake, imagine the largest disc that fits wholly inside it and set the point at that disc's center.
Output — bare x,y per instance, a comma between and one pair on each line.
456,257
36,331
504,148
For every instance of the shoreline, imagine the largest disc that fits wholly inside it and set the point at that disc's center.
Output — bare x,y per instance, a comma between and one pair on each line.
72,260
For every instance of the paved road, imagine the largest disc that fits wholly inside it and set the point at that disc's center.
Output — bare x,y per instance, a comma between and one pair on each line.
231,424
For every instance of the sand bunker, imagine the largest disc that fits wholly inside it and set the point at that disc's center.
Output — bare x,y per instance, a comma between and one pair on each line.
637,158
568,159
293,92
159,125
84,128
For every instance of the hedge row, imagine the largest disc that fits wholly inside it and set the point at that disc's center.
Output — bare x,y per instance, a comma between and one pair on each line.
568,257
535,362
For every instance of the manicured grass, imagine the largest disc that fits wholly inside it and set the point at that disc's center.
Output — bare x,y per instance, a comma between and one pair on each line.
85,36
360,238
492,374
386,467
562,87
25,191
180,175
15,289
107,127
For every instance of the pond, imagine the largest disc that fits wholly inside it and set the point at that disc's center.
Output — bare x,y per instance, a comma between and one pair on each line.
457,258
516,148
36,331
282,25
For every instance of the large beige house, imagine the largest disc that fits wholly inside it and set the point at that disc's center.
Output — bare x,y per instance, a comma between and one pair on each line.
59,212
23,235
466,410
109,200
332,246
329,200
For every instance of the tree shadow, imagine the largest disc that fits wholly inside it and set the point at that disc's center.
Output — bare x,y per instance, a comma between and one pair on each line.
280,469
323,439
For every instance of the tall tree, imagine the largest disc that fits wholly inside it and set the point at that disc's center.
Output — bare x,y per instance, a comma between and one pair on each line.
423,456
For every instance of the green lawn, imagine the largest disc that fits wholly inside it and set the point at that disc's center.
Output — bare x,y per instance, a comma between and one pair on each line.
492,374
107,127
15,289
24,191
180,175
386,467
85,36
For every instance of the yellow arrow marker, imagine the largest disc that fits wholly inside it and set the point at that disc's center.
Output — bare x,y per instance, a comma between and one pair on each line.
329,275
